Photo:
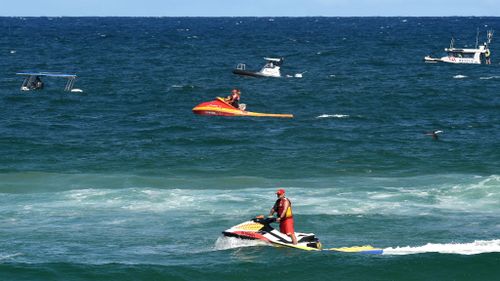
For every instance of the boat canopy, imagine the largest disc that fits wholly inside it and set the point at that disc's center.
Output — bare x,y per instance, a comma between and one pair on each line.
49,74
472,51
274,59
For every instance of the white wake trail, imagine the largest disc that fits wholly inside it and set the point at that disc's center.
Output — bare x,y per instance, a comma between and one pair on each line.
473,248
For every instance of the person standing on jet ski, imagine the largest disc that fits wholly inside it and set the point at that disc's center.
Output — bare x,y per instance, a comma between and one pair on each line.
283,208
234,98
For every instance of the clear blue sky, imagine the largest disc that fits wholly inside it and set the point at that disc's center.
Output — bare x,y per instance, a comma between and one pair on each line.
250,8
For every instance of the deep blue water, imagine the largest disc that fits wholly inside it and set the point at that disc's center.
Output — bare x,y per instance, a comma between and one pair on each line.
124,182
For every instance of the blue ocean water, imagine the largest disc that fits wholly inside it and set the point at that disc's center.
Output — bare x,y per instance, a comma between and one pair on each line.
124,182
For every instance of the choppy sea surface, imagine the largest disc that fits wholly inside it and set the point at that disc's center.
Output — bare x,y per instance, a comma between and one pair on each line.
124,182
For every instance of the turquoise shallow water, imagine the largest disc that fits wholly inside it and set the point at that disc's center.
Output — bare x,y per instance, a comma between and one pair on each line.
123,182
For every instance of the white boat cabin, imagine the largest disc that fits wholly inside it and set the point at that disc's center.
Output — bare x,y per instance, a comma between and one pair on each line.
272,67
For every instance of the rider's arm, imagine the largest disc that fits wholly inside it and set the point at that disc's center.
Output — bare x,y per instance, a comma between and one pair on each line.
274,209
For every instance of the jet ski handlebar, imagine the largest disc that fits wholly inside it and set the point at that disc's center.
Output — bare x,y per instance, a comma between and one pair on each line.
264,220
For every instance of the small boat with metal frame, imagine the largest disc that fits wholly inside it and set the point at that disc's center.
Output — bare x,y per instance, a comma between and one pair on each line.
33,81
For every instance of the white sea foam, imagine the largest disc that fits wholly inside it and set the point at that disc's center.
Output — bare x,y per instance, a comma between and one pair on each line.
152,213
489,77
333,116
477,195
381,196
473,248
357,196
82,194
224,243
176,86
9,256
460,76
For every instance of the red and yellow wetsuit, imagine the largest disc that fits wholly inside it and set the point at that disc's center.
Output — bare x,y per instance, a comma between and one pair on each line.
286,223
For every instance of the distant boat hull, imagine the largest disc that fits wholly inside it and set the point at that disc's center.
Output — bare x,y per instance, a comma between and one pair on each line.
219,107
429,59
250,73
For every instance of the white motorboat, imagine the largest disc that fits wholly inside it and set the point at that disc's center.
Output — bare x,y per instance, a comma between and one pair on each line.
479,55
270,69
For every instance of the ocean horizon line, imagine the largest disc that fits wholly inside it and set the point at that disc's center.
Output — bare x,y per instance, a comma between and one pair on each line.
246,16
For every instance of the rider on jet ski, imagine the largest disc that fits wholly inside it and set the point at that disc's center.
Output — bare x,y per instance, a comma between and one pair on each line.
234,98
283,208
